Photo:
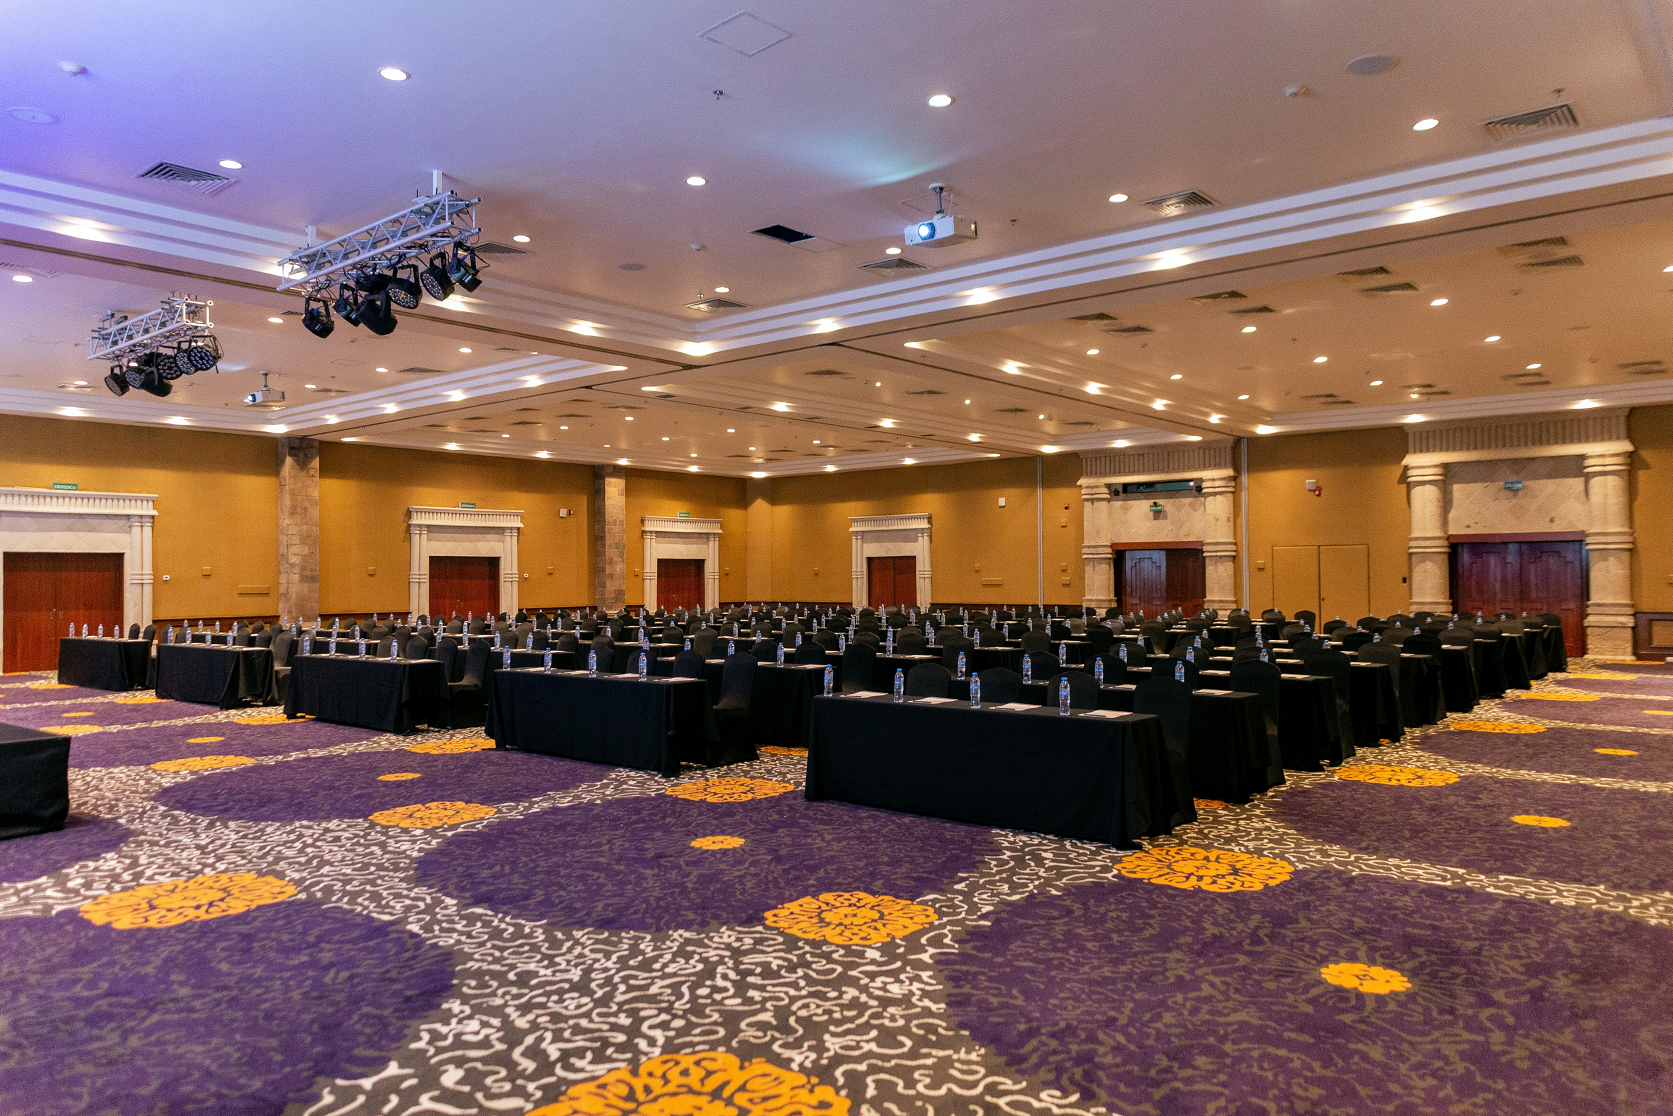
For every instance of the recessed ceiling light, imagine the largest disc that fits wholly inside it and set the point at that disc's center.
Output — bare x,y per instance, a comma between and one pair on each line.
1248,329
1215,418
1243,397
1585,404
758,474
277,321
1376,383
1177,376
1118,198
967,402
309,386
816,441
895,251
520,239
629,418
1415,395
1425,124
940,100
1533,366
908,461
543,453
696,180
879,383
23,278
1266,430
563,428
830,468
505,435
752,449
1490,340
1320,360
692,455
1089,352
1437,302
1160,404
394,73
232,164
723,290
380,370
665,438
975,437
730,430
693,468
1042,416
464,350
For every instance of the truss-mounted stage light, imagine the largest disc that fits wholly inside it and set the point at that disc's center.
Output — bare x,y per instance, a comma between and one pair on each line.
152,350
404,292
435,280
347,307
116,382
375,314
463,270
200,356
316,318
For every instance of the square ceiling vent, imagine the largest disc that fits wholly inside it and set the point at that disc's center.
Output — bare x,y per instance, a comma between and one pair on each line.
714,305
207,183
1172,205
746,34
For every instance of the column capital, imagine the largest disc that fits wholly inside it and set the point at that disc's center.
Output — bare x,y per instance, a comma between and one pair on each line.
1609,540
1426,474
1615,462
1094,490
1218,485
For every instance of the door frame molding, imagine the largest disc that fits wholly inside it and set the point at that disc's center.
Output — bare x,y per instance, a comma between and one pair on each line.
890,536
461,533
43,520
672,536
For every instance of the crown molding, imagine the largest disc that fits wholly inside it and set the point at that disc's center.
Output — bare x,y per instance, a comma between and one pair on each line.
1473,407
51,501
674,525
497,519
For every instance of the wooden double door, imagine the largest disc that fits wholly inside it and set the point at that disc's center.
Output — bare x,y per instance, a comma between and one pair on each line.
466,586
46,593
1519,576
679,583
892,581
1328,581
1155,581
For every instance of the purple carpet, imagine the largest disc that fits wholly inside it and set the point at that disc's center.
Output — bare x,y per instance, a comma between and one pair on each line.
630,864
1603,711
82,838
144,746
1656,687
232,1016
1468,824
11,696
1162,1002
321,787
106,713
1563,751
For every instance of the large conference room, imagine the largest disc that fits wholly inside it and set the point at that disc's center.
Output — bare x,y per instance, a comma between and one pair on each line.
862,559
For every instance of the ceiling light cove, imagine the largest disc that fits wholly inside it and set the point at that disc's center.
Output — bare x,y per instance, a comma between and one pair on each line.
394,73
1587,404
940,100
887,424
1121,443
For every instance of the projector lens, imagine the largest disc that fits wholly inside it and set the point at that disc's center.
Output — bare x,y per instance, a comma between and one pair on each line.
926,231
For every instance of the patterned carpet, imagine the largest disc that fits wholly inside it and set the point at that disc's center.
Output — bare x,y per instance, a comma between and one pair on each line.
247,916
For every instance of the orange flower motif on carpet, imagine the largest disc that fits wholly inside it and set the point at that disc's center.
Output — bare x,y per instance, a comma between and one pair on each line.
205,739
733,789
850,918
428,815
1660,712
201,763
451,747
1561,697
1389,775
268,719
83,713
1539,820
139,699
48,685
1495,726
180,901
719,841
1602,674
398,776
1190,869
71,730
1365,978
1615,751
780,750
1208,804
711,1083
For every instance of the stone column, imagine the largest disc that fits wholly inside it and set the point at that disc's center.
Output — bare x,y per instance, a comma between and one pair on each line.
418,570
648,570
859,569
1219,546
926,578
1609,617
1095,553
758,540
298,527
510,580
609,536
1428,550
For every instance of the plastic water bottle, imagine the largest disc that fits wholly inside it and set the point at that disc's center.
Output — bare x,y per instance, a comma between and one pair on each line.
732,645
101,631
1123,653
1063,653
394,651
1179,672
644,667
1263,655
1027,668
1098,669
900,685
781,654
332,646
975,691
528,641
496,641
168,636
464,639
1378,638
890,649
842,642
688,643
362,651
798,637
307,645
961,667
73,631
830,680
505,659
592,664
1063,696
546,661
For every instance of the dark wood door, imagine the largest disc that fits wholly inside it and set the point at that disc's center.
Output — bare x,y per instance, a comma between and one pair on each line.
46,593
679,583
1518,577
1144,581
892,581
1185,580
467,586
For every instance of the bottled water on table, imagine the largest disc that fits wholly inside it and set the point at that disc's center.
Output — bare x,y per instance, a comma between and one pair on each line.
1063,653
362,651
505,659
333,644
1063,697
592,664
307,645
961,664
781,654
644,666
975,691
1179,671
1027,668
1098,669
900,685
546,661
394,651
528,642
830,678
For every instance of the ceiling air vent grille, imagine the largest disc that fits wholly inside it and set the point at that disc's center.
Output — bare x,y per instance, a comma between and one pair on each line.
1337,403
1253,310
1522,248
1552,264
1011,410
893,263
711,305
1100,316
1172,205
784,233
926,391
1388,289
1130,329
1556,118
1321,395
1219,296
1365,272
491,248
527,422
826,372
417,370
202,182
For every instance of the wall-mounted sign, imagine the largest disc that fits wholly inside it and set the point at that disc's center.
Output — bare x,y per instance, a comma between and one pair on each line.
65,486
685,515
1513,486
467,503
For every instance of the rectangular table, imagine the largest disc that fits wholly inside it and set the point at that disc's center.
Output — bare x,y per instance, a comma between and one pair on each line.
216,675
34,781
1309,731
651,724
1091,777
105,664
390,695
1230,759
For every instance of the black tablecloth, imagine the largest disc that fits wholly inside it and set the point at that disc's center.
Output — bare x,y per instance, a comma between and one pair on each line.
390,695
223,676
781,703
34,781
650,724
1489,661
1516,661
105,664
1458,685
1422,697
1309,730
1374,704
1097,778
1231,758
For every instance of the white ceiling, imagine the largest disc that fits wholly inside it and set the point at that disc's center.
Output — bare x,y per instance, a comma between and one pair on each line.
578,127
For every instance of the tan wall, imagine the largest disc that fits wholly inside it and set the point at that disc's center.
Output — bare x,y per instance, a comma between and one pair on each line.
705,497
1651,430
217,502
971,537
364,495
1364,501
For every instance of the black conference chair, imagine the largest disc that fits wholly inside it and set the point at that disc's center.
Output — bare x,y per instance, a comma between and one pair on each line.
737,680
1354,638
765,650
416,648
1339,669
1170,702
630,664
383,647
241,638
1264,680
999,685
282,645
1307,616
1083,689
1035,641
1042,664
810,652
470,705
911,643
688,664
1331,625
1115,670
149,634
928,680
1387,654
858,663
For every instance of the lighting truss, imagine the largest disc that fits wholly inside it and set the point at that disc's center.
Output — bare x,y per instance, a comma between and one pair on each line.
429,225
181,318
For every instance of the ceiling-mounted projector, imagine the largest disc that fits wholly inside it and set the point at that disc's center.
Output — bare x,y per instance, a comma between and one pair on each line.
943,228
266,397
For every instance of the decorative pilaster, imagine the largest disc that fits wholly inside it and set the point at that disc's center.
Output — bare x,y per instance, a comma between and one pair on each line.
1095,553
1609,538
609,536
1219,547
418,570
298,526
1428,550
510,580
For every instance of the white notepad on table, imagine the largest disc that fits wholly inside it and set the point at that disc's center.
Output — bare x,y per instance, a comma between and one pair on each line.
868,693
1016,705
932,701
1104,713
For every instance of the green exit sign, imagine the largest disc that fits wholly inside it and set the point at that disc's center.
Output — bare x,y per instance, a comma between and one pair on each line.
685,515
467,504
65,486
